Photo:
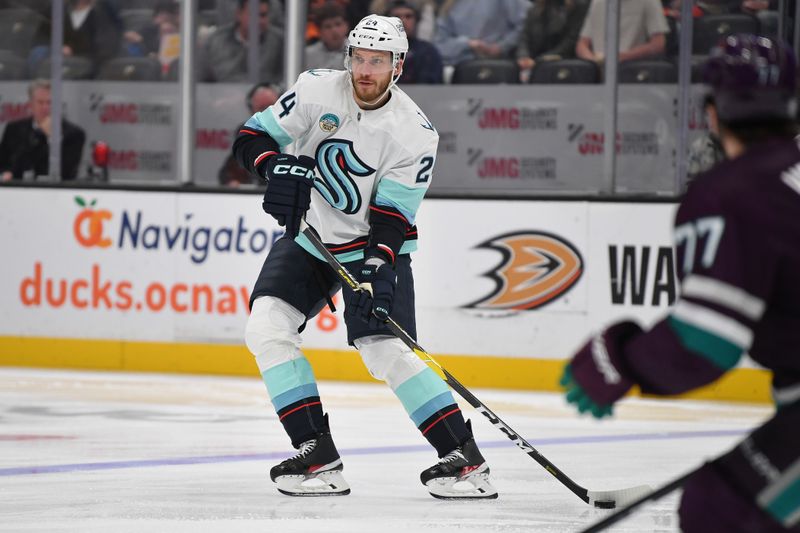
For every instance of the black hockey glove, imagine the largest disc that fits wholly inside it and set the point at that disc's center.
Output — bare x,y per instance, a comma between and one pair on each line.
373,305
289,183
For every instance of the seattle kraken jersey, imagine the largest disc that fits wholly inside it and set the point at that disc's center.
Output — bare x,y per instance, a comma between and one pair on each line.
382,157
737,236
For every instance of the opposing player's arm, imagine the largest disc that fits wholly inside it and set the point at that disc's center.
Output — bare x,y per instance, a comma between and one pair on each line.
726,277
393,208
725,282
269,131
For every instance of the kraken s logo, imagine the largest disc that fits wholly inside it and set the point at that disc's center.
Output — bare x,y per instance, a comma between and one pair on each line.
337,162
537,268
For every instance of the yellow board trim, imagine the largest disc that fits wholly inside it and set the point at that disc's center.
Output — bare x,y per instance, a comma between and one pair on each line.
742,384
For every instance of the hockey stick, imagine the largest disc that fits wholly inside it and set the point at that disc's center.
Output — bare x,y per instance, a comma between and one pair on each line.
657,494
606,499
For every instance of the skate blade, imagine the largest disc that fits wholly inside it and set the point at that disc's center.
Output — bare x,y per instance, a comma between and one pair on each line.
323,484
473,487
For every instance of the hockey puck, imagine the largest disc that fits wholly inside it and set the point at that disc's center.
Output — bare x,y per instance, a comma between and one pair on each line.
606,504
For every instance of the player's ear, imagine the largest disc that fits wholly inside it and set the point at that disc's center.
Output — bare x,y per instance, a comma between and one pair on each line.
399,68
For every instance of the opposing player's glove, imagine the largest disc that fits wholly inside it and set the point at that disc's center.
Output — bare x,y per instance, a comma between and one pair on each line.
373,304
289,183
596,376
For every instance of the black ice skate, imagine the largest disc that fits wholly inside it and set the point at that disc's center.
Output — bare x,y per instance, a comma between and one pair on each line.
315,471
461,474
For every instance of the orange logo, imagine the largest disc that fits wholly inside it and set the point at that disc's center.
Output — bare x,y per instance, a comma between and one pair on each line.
88,225
537,268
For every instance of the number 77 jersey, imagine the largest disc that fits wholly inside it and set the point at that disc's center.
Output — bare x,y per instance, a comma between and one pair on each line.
368,162
737,238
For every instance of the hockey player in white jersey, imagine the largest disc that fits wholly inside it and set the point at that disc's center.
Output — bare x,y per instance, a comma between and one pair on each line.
352,153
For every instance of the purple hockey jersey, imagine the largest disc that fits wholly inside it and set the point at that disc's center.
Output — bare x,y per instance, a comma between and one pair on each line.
737,237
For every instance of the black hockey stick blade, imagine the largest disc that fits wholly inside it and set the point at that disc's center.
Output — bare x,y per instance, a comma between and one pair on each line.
618,515
607,499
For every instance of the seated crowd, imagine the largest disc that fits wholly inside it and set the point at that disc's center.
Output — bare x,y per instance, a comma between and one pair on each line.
140,39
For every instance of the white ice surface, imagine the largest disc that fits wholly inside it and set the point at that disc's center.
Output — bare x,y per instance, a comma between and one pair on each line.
153,452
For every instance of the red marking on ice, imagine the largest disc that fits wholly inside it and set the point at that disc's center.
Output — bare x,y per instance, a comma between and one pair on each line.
34,437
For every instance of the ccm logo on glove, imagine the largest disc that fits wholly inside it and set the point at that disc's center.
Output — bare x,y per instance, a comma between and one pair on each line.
294,170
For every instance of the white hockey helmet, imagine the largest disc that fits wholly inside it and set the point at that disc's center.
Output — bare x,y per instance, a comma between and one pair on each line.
375,32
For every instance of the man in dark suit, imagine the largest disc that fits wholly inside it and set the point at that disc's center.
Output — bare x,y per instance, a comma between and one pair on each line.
24,149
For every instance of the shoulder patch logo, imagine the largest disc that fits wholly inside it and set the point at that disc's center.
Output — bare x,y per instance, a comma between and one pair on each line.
329,122
537,268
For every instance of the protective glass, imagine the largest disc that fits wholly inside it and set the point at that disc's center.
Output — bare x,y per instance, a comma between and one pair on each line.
374,62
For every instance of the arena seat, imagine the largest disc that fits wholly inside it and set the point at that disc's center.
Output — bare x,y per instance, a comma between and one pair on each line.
131,69
708,30
565,71
648,72
483,71
72,68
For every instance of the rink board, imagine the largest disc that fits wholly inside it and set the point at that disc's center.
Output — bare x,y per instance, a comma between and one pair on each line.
506,290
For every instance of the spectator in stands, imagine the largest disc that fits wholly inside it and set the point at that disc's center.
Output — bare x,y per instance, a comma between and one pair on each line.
259,97
642,31
355,10
225,54
328,51
706,151
92,29
425,25
423,63
147,41
226,11
24,150
470,29
550,32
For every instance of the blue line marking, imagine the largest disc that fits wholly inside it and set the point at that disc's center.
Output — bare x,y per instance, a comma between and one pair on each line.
213,459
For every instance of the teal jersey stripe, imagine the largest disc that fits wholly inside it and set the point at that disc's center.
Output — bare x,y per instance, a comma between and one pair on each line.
287,376
265,121
431,406
348,257
398,196
419,389
295,395
786,506
719,351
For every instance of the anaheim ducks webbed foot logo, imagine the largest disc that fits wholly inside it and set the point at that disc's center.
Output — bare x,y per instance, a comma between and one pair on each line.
537,268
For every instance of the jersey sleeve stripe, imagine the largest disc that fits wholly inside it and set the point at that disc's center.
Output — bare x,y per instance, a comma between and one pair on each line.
714,323
261,157
265,121
404,199
390,213
781,498
724,294
720,352
248,132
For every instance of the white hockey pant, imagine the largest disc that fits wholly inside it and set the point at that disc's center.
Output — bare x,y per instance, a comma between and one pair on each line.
271,332
388,359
